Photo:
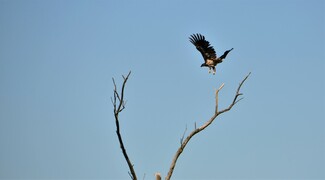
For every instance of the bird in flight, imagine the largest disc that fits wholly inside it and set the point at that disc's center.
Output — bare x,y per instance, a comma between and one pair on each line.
209,54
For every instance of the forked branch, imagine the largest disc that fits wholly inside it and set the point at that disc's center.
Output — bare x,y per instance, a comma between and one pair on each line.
119,104
205,125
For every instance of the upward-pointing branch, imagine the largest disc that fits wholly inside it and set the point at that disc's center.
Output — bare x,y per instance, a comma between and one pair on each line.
205,125
119,104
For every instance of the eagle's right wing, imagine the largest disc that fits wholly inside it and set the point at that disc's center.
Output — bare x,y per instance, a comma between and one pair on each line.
225,54
203,46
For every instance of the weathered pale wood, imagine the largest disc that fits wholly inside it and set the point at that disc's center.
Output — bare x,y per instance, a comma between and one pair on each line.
205,125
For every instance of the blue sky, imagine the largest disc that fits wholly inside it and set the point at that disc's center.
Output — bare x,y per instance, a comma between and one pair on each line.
57,59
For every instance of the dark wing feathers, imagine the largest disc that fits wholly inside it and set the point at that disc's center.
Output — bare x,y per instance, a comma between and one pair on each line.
203,46
225,54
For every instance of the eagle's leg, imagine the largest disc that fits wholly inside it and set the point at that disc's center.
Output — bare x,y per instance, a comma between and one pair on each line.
209,70
214,70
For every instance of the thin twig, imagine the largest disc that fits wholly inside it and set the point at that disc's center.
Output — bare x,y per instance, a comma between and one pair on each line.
217,97
182,138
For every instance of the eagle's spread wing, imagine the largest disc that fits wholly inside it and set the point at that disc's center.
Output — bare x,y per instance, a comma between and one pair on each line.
225,54
203,46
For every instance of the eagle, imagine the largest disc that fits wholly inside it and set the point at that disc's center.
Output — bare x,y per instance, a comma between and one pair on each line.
209,54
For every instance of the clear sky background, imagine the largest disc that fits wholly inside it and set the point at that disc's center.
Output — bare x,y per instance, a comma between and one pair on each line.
57,59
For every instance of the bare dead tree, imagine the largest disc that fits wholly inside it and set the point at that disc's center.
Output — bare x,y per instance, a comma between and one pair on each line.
119,104
205,125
